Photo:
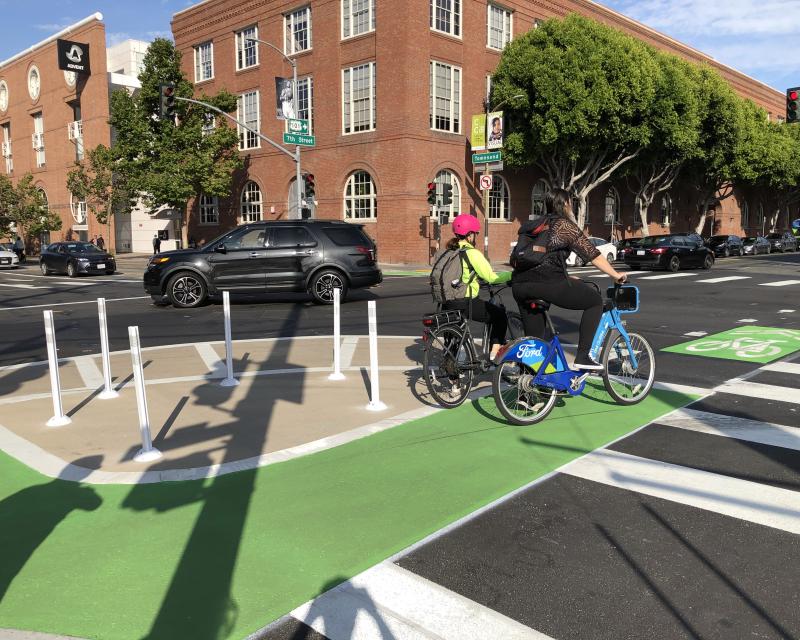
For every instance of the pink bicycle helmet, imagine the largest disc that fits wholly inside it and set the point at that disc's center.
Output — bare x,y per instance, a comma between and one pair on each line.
465,224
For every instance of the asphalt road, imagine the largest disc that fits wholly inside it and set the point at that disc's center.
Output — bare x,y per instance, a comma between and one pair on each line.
671,307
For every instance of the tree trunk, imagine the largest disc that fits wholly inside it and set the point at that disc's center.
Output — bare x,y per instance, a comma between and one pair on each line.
703,215
579,216
643,206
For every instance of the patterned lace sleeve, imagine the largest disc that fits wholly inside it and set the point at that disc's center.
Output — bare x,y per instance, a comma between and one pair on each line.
566,234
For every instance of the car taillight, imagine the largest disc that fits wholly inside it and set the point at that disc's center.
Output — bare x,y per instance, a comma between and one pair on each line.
367,251
658,251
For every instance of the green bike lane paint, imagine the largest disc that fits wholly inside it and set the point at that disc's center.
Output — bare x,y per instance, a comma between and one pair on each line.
116,561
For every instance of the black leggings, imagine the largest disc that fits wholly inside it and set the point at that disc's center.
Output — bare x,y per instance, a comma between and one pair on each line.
483,311
566,293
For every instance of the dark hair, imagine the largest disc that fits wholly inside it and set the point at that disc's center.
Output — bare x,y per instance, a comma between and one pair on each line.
494,120
558,203
452,243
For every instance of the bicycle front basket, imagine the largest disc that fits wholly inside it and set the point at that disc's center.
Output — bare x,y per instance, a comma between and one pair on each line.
627,298
435,321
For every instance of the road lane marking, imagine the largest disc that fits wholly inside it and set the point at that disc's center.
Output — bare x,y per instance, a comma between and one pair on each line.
89,372
750,501
627,273
758,390
388,601
780,283
62,304
783,367
19,286
747,320
696,334
668,275
726,279
210,357
349,345
786,311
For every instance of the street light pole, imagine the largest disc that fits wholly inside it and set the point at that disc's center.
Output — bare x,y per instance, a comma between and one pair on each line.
296,109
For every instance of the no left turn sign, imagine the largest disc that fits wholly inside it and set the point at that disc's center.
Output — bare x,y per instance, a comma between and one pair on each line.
486,183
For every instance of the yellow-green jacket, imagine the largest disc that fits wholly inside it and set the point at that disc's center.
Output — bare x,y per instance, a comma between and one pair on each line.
482,268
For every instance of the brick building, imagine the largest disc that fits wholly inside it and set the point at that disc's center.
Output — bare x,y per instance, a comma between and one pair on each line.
389,88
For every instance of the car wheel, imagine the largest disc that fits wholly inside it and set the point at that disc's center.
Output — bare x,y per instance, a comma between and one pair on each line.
769,250
674,264
43,267
727,253
186,290
71,270
323,284
708,262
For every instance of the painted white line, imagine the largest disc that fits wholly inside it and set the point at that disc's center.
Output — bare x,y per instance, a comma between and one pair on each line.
349,345
90,373
751,501
20,286
747,320
15,634
388,601
65,304
627,273
696,334
783,367
758,390
727,279
780,283
786,311
669,275
681,388
211,359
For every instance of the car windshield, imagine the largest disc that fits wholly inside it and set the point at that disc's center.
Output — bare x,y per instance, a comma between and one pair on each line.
652,241
774,236
81,247
717,239
750,239
6,246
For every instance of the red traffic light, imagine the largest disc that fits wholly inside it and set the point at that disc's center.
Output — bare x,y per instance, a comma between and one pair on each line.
309,177
431,186
793,94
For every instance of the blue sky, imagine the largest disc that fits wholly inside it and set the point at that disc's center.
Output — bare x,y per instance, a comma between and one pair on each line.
756,37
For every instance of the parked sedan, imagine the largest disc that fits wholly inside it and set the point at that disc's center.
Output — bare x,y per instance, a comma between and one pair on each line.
753,245
606,249
671,252
74,258
782,242
8,258
724,246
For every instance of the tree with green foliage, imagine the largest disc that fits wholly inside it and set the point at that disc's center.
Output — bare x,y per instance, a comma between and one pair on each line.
8,198
167,163
30,214
588,96
676,118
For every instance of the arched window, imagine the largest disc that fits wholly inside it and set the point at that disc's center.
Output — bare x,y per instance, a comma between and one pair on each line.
537,198
745,215
250,208
209,209
499,199
446,213
611,215
360,197
666,210
78,208
760,215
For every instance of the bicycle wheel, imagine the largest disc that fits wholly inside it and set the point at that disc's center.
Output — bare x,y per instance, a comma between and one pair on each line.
448,381
624,383
518,400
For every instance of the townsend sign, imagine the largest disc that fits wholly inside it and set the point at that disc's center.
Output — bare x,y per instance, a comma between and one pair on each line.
73,56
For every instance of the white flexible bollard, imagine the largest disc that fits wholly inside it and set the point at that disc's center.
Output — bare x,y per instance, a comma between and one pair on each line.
108,392
229,380
375,403
337,337
59,419
148,452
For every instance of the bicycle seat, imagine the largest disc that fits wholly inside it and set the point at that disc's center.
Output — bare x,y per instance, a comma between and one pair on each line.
537,303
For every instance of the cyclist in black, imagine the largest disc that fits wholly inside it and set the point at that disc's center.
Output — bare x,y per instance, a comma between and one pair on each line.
550,281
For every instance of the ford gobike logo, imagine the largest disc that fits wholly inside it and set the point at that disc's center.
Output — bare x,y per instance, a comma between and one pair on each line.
526,351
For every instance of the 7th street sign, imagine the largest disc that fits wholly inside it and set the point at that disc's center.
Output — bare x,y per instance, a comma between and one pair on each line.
299,139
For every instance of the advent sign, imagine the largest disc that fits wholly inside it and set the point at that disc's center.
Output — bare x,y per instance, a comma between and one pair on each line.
73,56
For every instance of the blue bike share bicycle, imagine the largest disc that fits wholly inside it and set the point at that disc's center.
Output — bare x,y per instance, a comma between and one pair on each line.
531,373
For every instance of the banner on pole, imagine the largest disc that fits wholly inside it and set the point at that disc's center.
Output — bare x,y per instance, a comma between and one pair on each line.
284,99
477,137
494,130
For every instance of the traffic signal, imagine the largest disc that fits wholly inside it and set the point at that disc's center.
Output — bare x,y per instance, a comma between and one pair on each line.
432,193
423,226
793,105
166,100
447,194
310,187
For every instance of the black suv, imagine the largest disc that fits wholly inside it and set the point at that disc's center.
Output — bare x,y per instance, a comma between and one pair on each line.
316,256
782,242
724,246
670,252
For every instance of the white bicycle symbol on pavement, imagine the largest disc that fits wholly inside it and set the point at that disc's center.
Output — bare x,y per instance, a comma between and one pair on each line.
748,347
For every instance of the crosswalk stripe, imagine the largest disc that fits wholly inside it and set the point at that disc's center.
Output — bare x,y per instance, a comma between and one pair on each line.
388,601
19,286
210,358
627,273
89,372
751,501
758,390
726,279
718,424
668,275
780,283
783,367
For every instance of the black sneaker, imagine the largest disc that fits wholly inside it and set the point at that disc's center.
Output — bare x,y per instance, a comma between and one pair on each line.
586,362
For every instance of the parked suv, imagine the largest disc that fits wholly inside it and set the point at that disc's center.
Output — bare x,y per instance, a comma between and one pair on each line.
315,256
671,252
724,246
782,242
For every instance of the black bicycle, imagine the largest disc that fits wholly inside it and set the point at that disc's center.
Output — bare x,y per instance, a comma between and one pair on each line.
451,360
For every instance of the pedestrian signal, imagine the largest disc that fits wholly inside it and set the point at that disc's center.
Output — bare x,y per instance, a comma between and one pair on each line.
432,193
447,194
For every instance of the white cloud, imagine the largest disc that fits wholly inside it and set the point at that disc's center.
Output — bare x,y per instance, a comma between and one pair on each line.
159,34
63,23
115,37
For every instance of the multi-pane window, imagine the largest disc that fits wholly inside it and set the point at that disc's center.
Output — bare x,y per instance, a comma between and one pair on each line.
358,16
446,213
360,197
209,209
305,101
499,199
537,198
499,22
445,97
6,147
666,210
358,98
247,110
38,138
203,62
745,215
246,48
611,214
250,206
297,31
78,209
445,16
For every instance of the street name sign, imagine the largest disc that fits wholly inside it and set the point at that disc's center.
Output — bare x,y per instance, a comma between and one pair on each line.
484,158
299,139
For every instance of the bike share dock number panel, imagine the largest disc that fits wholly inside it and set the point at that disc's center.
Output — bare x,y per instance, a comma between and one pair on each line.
748,344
